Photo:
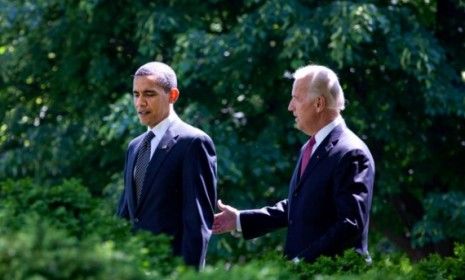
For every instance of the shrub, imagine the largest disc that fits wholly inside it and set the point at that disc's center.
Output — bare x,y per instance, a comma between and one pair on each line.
41,251
63,232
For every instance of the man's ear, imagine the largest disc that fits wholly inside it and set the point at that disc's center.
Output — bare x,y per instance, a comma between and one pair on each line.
173,95
320,103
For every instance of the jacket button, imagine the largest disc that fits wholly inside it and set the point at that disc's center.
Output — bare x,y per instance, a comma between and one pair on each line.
295,195
136,220
290,222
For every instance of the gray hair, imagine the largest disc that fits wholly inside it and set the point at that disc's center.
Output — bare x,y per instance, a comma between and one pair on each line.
323,81
164,74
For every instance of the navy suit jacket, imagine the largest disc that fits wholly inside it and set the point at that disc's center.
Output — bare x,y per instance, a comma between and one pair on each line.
327,210
179,191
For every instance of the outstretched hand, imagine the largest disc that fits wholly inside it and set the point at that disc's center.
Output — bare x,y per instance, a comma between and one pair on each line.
225,221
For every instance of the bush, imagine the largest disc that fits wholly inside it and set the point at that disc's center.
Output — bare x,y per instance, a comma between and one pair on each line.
63,232
41,251
68,205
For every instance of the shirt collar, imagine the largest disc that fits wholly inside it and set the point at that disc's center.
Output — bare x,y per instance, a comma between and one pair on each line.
160,129
322,133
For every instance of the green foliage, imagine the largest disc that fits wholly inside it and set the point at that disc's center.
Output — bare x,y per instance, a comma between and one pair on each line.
41,251
62,232
350,262
66,205
349,266
65,111
442,210
39,240
435,267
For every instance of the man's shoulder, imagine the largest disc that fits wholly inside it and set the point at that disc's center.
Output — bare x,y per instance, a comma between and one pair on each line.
351,138
349,141
185,130
346,139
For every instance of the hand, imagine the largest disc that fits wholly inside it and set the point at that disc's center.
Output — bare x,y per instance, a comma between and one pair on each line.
226,220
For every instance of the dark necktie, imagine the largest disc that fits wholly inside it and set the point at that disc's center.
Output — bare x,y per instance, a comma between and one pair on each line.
307,154
143,159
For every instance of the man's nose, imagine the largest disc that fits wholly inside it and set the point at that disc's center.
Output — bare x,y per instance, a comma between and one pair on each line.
290,107
140,101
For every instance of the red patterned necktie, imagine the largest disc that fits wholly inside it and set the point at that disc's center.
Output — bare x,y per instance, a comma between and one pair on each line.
307,154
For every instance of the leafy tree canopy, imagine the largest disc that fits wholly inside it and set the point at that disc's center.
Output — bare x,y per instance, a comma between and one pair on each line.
65,111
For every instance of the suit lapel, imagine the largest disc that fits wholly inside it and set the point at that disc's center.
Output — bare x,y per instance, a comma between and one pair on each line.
320,153
160,154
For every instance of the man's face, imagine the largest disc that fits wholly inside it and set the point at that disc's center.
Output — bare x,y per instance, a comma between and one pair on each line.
303,107
151,101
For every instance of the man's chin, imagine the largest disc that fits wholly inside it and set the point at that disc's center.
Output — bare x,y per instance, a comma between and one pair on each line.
143,122
298,127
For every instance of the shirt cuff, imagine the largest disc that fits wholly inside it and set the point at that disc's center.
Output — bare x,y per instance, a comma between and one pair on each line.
238,221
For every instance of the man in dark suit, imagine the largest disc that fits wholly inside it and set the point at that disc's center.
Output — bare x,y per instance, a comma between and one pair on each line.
328,206
170,170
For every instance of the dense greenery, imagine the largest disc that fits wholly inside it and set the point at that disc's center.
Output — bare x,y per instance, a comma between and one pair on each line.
66,112
61,232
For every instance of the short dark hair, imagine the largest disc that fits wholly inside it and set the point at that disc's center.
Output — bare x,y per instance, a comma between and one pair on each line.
165,75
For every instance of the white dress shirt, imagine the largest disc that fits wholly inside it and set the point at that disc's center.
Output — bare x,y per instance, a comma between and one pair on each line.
159,130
